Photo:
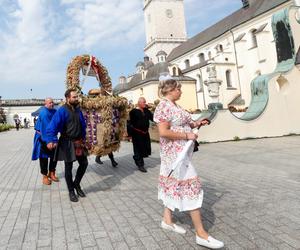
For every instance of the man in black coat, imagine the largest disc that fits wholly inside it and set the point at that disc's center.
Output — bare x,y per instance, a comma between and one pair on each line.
139,126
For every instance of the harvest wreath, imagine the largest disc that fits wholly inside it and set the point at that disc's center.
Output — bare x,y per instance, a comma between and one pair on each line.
105,114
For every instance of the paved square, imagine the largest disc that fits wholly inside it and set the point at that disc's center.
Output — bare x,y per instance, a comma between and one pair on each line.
251,199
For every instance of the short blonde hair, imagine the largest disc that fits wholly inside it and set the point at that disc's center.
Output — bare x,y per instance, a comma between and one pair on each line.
165,86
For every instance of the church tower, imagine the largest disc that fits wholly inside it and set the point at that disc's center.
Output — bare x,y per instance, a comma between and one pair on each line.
164,26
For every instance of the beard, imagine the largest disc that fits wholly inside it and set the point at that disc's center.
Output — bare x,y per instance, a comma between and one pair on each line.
74,103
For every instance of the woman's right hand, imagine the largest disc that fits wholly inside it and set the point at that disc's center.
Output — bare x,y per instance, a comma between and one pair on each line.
191,136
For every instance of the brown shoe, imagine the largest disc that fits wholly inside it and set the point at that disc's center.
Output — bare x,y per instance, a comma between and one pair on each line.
52,176
46,181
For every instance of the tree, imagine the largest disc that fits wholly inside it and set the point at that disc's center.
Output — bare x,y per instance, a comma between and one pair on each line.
2,114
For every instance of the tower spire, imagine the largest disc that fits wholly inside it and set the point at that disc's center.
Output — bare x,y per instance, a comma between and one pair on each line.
164,26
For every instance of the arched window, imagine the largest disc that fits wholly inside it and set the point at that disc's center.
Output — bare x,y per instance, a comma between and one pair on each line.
228,78
199,83
187,63
209,55
253,38
201,58
174,71
220,48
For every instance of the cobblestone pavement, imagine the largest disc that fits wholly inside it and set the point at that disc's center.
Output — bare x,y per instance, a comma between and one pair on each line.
252,199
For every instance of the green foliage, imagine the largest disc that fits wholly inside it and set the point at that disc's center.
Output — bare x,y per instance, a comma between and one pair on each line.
2,116
4,127
236,138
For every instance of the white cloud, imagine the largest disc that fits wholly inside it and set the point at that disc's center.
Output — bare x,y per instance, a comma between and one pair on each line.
38,35
98,23
27,50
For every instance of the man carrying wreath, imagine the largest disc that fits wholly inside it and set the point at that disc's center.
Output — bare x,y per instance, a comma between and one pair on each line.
70,123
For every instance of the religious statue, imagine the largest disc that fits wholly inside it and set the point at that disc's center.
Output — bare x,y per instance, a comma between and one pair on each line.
211,70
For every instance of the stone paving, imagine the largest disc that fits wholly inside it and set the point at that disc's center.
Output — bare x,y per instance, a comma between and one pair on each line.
252,199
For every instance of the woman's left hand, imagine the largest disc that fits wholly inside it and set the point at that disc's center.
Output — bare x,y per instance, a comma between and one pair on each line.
202,123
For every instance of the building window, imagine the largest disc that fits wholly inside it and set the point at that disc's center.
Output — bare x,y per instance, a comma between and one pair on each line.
174,71
142,91
209,55
169,13
253,38
149,18
199,83
201,58
219,48
228,79
187,63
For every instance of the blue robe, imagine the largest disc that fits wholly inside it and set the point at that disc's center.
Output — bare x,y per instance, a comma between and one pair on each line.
60,123
40,127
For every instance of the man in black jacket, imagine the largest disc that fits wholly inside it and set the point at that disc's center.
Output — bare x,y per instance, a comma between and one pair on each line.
139,126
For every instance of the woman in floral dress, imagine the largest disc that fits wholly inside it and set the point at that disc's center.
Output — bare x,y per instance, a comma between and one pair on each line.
182,190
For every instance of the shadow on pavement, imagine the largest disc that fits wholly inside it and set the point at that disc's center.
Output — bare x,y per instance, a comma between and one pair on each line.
110,176
211,196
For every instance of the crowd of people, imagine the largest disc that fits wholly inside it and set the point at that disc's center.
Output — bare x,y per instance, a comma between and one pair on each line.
18,124
179,187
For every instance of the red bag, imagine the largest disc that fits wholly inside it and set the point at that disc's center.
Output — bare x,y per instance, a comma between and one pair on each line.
79,148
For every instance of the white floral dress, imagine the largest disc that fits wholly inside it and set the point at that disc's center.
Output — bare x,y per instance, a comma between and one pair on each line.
182,190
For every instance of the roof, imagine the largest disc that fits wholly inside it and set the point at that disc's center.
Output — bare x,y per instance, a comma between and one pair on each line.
157,69
135,79
148,64
161,53
26,102
119,88
256,8
140,64
153,74
196,66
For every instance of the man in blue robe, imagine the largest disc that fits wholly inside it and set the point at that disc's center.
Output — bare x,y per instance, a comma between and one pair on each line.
70,123
40,150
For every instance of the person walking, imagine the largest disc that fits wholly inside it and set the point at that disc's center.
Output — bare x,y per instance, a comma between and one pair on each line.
34,120
70,123
139,118
17,122
182,189
40,150
111,157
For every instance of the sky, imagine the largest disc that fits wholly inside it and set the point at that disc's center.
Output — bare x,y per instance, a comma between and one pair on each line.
38,39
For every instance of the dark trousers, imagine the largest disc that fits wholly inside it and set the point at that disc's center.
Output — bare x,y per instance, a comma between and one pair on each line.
138,159
110,155
44,165
83,163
